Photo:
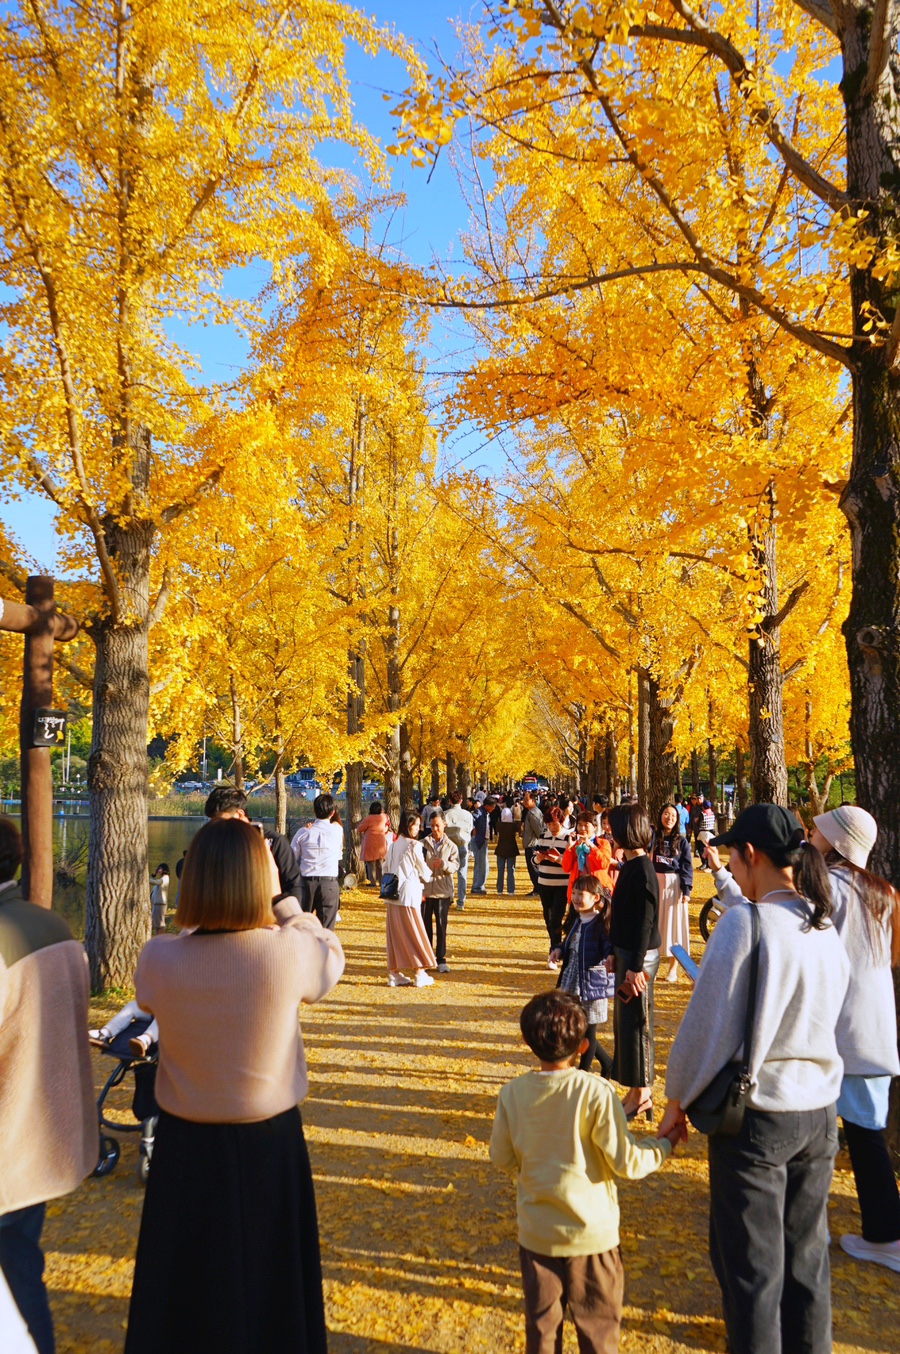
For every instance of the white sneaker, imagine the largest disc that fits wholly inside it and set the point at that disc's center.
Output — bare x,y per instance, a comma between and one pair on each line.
399,980
424,979
443,968
879,1252
673,976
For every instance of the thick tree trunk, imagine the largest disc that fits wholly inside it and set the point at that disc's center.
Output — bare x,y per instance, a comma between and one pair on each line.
354,772
661,786
765,683
464,780
117,921
406,772
451,773
740,778
713,776
679,782
612,766
435,787
643,736
237,735
695,772
280,796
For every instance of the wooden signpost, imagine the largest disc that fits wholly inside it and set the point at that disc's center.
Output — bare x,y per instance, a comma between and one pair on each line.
40,726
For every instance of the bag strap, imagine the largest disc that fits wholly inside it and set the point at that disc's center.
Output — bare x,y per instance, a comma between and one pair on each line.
751,995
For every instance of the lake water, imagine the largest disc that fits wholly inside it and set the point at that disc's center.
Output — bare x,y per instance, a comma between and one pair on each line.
168,839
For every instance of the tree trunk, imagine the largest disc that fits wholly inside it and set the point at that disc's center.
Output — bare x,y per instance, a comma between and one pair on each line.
117,921
464,781
280,796
435,788
395,701
765,679
661,784
679,782
643,734
451,773
713,776
406,774
740,778
237,735
695,772
612,766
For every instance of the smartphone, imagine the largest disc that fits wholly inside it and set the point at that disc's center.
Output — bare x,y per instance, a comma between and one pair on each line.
625,993
260,827
691,969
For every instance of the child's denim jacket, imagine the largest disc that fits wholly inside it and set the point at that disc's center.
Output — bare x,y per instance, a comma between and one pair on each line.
593,980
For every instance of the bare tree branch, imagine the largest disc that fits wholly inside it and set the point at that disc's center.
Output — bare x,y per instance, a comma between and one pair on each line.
773,622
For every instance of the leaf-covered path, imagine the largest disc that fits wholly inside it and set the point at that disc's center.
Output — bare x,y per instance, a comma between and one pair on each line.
418,1231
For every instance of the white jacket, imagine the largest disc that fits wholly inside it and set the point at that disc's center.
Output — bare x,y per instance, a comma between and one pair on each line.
406,860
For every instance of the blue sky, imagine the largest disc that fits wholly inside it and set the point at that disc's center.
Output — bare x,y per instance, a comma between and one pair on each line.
429,227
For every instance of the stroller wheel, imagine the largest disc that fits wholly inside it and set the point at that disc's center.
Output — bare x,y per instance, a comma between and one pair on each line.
143,1169
109,1156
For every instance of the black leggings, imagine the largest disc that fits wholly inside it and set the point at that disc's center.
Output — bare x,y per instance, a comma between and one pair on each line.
876,1185
595,1050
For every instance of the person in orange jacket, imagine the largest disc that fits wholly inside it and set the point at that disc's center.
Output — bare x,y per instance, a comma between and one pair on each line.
588,854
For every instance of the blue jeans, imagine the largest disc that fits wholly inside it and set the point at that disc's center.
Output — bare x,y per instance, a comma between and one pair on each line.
461,877
479,868
22,1262
510,863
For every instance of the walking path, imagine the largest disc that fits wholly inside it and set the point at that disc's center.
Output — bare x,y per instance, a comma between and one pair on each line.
418,1231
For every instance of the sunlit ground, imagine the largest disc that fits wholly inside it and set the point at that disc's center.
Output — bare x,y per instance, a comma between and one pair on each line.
418,1231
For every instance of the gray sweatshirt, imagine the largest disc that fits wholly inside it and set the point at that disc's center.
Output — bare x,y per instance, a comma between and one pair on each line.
867,1029
803,977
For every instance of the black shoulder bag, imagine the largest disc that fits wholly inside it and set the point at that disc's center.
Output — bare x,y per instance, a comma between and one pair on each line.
720,1107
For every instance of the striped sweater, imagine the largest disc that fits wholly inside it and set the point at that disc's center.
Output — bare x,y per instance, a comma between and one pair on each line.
551,873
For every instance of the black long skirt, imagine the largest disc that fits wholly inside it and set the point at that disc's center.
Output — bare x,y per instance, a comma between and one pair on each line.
228,1252
633,1061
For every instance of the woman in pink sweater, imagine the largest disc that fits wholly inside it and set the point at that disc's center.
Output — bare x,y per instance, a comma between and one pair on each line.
228,1253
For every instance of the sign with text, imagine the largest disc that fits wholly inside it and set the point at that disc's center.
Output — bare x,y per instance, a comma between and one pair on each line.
49,729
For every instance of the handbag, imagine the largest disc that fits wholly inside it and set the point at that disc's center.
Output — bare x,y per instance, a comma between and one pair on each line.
390,887
720,1107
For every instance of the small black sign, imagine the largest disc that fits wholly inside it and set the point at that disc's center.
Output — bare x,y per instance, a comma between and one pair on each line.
49,729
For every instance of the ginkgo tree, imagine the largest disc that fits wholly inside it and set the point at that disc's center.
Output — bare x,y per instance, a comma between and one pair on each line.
720,148
145,152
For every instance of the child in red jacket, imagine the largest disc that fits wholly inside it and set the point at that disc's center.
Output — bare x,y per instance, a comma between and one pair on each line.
588,854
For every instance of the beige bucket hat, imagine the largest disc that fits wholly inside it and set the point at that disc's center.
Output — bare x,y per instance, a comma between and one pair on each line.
850,830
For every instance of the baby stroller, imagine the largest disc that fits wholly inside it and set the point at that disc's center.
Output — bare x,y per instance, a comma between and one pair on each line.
143,1104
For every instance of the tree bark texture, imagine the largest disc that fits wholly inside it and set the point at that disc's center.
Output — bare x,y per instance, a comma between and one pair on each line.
117,922
740,778
871,499
713,776
765,681
695,772
36,768
406,771
612,766
661,726
643,736
451,773
237,734
435,787
354,771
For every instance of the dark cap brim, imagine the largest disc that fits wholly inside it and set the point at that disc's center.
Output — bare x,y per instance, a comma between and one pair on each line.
726,839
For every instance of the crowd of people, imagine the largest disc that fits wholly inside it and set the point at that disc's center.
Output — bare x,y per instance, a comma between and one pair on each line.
791,1024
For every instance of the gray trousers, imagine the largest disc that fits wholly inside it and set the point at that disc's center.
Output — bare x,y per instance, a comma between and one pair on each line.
321,895
768,1230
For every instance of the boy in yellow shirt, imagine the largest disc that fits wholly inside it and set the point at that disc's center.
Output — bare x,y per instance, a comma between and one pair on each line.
565,1134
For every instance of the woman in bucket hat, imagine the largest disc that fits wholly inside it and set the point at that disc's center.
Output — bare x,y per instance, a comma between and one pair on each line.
867,917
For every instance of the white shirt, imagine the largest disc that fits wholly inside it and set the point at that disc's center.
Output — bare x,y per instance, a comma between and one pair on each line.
318,848
462,822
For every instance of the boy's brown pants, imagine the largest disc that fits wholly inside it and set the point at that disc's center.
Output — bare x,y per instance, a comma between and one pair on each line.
592,1286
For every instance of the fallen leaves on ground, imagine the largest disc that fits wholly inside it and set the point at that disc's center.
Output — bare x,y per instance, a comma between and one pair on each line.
418,1231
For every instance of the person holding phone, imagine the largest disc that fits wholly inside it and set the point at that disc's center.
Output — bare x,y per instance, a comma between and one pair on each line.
634,932
553,880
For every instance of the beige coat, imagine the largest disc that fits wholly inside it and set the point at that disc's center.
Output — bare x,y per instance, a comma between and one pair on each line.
442,858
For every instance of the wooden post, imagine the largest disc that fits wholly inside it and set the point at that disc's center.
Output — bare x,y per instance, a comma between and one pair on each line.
40,623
